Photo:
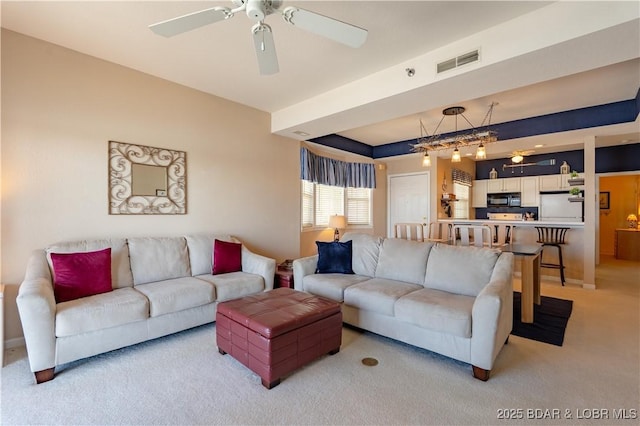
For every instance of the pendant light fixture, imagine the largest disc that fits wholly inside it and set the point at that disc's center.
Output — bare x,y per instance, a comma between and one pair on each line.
477,136
455,157
426,160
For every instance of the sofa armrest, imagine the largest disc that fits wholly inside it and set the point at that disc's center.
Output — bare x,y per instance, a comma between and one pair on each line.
260,265
303,267
492,315
37,308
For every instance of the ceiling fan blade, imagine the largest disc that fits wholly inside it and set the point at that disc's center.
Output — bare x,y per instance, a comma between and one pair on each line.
265,49
324,26
190,21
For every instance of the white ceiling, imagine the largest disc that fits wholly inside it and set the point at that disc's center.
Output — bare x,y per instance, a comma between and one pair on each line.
219,59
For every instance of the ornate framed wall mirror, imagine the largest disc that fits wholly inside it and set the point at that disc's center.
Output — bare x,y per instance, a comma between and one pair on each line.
146,180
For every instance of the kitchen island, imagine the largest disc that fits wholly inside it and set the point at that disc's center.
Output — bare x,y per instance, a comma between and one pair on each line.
526,233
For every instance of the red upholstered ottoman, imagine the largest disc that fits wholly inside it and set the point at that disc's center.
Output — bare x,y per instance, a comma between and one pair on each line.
279,331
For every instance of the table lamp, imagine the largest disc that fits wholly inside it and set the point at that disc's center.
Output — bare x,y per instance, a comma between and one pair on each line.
632,220
335,222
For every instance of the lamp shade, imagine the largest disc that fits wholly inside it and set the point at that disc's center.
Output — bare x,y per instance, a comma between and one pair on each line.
517,158
455,157
426,160
337,222
632,220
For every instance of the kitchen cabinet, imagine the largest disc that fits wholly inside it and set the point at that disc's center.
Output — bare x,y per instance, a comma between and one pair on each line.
503,185
555,182
530,194
479,193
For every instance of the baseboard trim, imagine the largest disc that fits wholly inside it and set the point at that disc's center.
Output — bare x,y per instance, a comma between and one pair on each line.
14,343
557,280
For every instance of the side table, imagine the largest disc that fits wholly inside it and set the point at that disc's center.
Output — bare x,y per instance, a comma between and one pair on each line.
283,278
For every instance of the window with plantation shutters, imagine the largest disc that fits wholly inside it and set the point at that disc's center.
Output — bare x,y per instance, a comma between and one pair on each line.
329,201
461,206
308,210
358,206
319,202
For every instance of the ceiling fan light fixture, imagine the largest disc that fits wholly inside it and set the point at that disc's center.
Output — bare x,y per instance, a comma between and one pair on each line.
517,158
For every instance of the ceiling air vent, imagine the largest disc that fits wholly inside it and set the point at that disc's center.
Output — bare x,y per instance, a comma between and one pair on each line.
452,63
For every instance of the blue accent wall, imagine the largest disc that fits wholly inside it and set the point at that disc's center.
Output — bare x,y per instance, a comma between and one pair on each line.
575,159
345,144
481,213
619,158
583,118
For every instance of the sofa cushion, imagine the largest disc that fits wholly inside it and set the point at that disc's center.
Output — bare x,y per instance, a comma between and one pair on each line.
201,251
365,249
82,274
331,286
227,257
158,259
334,257
377,294
120,268
234,284
437,310
175,295
403,260
460,270
118,307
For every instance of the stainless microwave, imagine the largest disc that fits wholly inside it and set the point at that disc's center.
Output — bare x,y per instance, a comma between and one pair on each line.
507,199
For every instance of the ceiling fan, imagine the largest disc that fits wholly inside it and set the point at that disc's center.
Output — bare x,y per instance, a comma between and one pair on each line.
258,10
518,156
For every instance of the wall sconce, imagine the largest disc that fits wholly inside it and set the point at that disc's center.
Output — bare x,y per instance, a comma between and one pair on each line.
335,222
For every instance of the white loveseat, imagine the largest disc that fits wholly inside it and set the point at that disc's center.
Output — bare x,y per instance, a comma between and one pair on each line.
456,301
160,286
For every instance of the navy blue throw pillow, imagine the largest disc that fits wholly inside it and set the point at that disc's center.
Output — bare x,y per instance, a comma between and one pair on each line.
334,258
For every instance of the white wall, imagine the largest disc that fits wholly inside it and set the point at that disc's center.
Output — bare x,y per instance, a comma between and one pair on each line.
59,110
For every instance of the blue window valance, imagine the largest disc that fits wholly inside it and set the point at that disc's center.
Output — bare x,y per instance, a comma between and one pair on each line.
327,171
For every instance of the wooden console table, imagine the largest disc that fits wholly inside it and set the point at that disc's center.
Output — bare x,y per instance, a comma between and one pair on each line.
627,244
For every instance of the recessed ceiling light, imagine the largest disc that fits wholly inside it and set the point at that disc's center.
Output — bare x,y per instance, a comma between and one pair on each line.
538,146
301,133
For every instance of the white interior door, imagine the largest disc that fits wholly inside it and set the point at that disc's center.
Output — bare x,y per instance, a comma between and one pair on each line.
407,200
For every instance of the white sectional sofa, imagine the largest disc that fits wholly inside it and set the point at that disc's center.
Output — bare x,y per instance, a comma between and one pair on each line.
456,301
160,286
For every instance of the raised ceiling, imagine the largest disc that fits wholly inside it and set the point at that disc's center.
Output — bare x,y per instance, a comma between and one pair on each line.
536,58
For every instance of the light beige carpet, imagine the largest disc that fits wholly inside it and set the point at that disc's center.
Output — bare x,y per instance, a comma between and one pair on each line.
181,379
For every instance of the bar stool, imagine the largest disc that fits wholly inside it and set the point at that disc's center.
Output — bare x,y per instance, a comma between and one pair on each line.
554,237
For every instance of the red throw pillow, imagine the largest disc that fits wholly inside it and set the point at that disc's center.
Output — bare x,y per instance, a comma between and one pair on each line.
227,257
77,275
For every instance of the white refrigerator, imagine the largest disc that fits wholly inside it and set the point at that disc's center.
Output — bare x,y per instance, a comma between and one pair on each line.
556,207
